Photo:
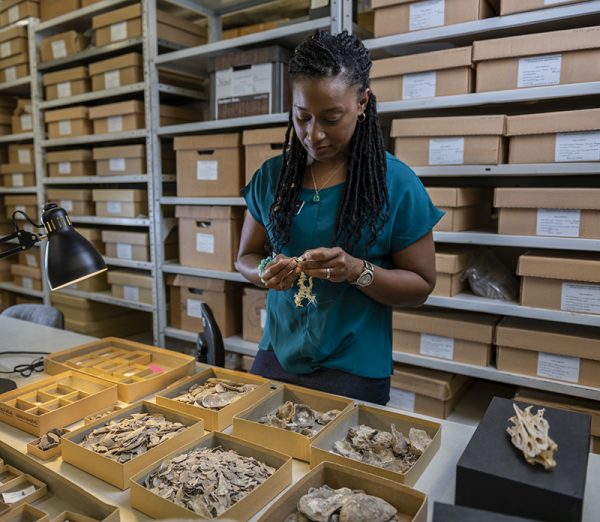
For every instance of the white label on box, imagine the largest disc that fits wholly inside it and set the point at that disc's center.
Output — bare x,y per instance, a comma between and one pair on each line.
263,318
27,283
10,74
131,293
207,170
67,204
17,180
558,222
437,346
559,367
401,399
426,14
539,70
116,164
14,496
446,151
118,31
194,308
24,156
112,79
113,207
64,127
26,122
205,243
59,49
580,297
13,14
552,2
64,89
577,146
419,85
31,260
124,251
115,123
64,167
5,49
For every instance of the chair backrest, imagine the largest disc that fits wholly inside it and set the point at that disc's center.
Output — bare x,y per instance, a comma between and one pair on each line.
36,313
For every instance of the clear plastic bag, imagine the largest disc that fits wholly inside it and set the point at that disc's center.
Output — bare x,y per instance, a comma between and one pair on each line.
488,277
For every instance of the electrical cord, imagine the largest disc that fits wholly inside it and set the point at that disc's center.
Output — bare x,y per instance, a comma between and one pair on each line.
25,370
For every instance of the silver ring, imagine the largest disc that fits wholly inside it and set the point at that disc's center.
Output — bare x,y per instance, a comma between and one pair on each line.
263,281
328,273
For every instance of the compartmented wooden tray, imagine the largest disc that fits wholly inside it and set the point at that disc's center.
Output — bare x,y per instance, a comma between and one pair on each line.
137,369
27,513
22,490
55,402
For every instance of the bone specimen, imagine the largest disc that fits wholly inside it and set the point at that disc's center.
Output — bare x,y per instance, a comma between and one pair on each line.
51,439
299,418
215,393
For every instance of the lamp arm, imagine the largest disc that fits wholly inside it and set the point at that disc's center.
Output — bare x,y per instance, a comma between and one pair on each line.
26,241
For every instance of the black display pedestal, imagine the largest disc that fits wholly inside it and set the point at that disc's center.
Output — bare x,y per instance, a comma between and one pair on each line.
450,513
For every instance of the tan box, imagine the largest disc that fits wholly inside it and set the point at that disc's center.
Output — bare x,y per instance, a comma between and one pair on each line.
123,325
127,245
465,208
535,60
77,202
22,483
450,262
52,8
71,516
20,153
402,16
223,298
62,45
27,276
425,391
130,203
255,314
24,202
520,6
567,281
27,512
67,123
70,163
261,145
424,75
117,72
94,236
559,212
171,115
209,165
14,67
14,10
130,285
98,283
379,419
82,309
33,449
217,236
246,425
118,117
13,41
66,83
22,119
30,258
561,137
120,161
457,140
17,175
549,350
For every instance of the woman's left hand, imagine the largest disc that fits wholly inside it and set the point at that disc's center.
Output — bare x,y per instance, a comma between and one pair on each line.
333,264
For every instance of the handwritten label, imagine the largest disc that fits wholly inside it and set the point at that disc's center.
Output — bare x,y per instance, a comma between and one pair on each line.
424,15
558,222
205,243
419,85
194,308
580,297
131,293
124,251
559,367
577,146
207,170
64,127
446,151
14,496
403,400
115,123
539,70
118,31
64,167
59,49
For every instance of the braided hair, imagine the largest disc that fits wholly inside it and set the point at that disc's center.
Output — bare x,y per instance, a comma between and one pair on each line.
365,201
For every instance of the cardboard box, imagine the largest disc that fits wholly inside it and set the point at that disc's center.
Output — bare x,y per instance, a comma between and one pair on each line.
14,67
66,83
261,145
379,419
156,507
492,475
67,123
20,153
450,262
535,60
131,285
71,516
456,140
127,245
24,482
425,391
171,115
402,16
130,203
62,45
114,472
519,6
217,236
567,281
410,503
94,236
6,299
70,163
560,137
465,208
24,202
223,298
22,119
117,72
558,212
254,313
17,175
30,258
52,8
123,325
118,117
12,11
217,161
33,449
424,75
548,350
13,41
77,202
27,277
120,161
82,309
464,337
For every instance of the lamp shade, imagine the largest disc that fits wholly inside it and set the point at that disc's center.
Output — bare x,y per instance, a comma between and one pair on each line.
69,256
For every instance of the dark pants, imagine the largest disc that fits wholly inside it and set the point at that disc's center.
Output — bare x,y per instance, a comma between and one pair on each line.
324,379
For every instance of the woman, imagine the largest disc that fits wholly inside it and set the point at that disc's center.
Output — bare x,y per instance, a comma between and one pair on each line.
338,230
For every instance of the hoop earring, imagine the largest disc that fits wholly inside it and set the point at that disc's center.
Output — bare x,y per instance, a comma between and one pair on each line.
362,117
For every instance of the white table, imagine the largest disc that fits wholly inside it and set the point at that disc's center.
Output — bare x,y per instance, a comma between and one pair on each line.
437,481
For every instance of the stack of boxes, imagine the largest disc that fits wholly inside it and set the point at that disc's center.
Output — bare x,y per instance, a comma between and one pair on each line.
14,54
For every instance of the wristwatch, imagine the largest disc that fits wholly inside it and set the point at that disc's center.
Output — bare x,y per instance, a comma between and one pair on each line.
366,276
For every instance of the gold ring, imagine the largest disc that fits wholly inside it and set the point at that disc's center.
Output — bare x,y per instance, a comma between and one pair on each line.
328,273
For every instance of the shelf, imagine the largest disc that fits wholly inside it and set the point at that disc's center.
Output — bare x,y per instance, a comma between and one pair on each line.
173,268
95,95
18,190
492,306
203,201
492,239
533,169
180,91
229,123
97,180
20,290
20,86
9,138
97,220
128,263
105,297
83,15
232,344
96,138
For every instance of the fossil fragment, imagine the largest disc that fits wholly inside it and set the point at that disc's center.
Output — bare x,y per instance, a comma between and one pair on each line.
530,434
299,418
215,393
102,414
51,439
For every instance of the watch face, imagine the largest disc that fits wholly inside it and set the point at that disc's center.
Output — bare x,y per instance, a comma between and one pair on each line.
365,279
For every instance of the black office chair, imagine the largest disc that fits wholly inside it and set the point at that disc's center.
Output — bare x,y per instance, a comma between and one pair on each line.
209,344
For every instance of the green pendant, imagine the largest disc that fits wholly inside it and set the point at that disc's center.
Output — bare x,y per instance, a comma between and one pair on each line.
316,198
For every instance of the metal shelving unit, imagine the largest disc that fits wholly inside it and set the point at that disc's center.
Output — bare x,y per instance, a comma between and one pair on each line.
107,298
128,263
96,138
174,268
18,87
203,201
100,180
13,138
18,190
125,90
118,221
229,124
21,290
510,170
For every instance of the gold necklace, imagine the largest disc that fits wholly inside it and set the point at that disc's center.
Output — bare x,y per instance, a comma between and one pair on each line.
316,198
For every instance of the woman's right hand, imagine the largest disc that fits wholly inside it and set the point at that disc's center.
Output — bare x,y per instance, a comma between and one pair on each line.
281,273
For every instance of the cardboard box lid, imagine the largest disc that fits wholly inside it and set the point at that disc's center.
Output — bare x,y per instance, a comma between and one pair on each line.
204,283
551,122
450,259
539,43
179,23
181,113
119,194
21,199
117,15
72,301
117,109
124,151
436,60
494,125
74,194
17,59
470,326
91,234
25,271
423,381
133,238
5,4
377,4
14,32
209,141
207,212
12,168
72,113
264,136
568,198
549,337
454,197
69,155
67,35
129,278
118,62
74,73
553,264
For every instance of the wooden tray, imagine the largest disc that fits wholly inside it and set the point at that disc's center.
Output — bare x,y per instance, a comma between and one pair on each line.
33,449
